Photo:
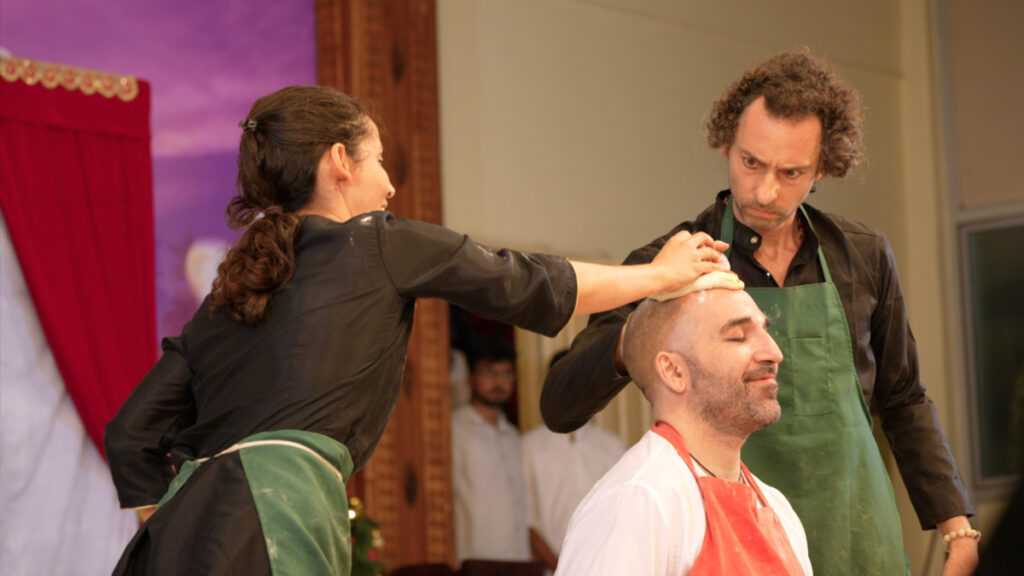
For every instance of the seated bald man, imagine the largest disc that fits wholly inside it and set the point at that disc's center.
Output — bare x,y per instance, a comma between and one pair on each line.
680,501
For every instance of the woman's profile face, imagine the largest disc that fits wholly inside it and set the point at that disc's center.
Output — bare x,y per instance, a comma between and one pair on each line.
370,187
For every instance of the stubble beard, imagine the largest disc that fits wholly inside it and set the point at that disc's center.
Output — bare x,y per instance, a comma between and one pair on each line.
733,407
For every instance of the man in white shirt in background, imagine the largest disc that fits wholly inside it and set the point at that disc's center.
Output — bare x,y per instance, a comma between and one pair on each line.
560,469
680,501
487,473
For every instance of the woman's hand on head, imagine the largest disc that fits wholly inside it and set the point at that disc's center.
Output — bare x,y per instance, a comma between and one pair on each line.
687,256
682,260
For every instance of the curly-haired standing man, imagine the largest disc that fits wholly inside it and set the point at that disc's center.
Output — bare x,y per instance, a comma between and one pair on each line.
830,288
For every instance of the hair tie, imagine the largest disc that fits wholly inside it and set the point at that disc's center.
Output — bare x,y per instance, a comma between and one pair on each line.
247,124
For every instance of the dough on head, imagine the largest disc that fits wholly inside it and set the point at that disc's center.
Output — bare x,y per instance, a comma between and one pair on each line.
714,279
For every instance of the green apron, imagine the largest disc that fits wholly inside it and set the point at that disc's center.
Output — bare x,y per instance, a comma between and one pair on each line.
297,481
821,453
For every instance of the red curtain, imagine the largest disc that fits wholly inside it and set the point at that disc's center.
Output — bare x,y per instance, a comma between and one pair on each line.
76,190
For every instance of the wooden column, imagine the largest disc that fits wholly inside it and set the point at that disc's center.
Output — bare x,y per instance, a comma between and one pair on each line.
385,54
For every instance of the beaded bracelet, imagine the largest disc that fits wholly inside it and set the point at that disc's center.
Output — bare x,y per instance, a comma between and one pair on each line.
968,533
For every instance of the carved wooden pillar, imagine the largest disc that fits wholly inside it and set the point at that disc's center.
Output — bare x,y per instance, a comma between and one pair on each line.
385,54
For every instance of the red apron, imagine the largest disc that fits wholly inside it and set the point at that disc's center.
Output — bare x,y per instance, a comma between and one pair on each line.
741,538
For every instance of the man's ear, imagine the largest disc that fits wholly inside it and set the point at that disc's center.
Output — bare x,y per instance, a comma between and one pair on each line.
725,150
672,371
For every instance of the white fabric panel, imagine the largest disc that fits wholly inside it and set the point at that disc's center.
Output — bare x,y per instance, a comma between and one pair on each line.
58,510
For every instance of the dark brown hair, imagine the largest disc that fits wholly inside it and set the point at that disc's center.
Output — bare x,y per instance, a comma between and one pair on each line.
283,140
796,85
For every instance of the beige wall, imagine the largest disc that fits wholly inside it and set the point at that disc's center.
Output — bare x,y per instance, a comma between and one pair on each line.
574,126
985,60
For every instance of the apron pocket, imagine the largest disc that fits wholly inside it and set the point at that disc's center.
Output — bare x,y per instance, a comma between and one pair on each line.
809,375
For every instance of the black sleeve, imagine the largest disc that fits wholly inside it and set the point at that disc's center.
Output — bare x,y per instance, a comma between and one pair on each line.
139,437
585,380
908,416
533,291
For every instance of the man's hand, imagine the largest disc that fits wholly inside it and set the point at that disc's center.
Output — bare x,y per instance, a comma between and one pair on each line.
963,551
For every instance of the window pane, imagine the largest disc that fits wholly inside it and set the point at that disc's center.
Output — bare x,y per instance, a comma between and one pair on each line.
995,288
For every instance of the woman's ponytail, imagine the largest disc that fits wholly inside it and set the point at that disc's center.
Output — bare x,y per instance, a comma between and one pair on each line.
257,266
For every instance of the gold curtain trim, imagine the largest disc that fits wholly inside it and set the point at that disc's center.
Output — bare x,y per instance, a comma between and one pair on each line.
86,81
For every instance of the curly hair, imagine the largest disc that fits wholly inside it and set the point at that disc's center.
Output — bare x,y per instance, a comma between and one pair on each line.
796,85
283,139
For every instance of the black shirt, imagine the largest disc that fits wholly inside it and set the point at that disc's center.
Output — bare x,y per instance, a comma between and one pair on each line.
329,356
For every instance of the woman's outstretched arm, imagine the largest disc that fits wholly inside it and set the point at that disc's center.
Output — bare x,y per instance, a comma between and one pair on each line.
683,258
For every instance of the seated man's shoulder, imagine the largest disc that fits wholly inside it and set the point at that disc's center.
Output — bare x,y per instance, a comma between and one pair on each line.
635,518
651,465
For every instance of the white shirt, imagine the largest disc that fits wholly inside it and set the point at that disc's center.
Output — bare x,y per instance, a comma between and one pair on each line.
487,481
646,517
560,469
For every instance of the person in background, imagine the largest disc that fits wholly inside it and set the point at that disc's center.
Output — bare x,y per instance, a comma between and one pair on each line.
831,289
487,465
680,501
560,469
236,446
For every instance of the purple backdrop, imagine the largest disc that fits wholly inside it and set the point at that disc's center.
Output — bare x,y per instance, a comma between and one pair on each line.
206,62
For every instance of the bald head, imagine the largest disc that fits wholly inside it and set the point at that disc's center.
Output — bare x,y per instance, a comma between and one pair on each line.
657,325
684,328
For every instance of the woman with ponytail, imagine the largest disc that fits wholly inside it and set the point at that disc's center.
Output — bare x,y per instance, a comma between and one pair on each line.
242,436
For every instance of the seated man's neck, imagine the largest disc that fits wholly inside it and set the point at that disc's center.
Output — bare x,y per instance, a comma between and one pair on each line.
716,451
